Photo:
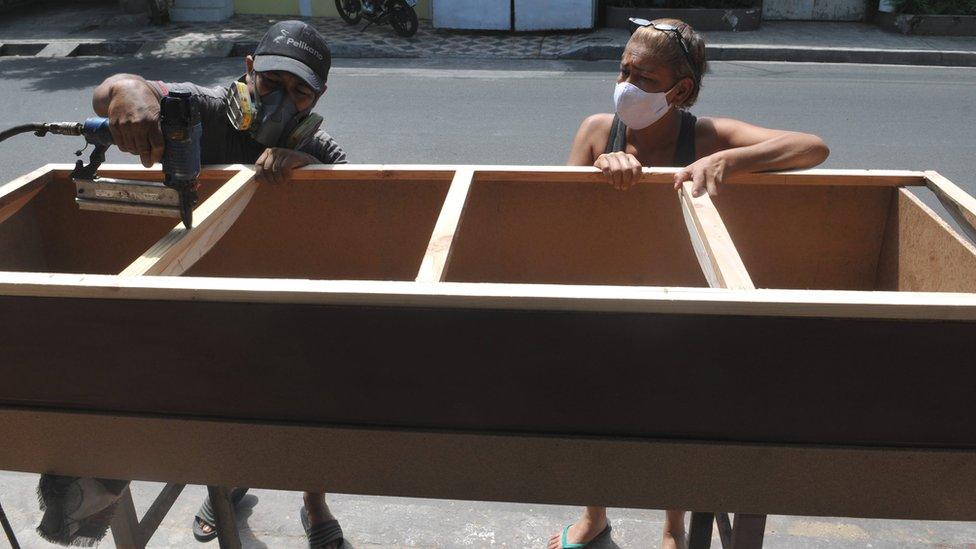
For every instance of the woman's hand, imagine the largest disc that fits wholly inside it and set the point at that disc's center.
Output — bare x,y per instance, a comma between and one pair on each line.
275,165
622,170
706,174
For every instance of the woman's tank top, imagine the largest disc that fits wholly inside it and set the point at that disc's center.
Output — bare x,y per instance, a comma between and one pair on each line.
684,153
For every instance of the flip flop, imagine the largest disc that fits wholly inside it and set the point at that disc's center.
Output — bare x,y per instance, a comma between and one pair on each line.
206,514
564,543
321,535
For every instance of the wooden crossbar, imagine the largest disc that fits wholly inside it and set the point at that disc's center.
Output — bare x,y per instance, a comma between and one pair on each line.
434,265
181,248
719,260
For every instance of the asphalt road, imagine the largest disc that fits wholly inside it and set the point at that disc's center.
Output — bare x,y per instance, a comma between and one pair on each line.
516,112
526,112
468,111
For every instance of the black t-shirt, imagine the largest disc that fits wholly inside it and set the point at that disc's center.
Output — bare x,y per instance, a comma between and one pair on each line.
223,144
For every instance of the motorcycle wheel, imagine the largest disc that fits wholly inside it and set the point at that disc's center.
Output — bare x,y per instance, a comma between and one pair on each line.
351,11
403,18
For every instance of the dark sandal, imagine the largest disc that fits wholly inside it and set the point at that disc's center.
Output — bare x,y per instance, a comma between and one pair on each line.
206,516
322,535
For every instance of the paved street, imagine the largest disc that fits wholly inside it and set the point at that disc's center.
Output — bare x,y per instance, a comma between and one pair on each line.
95,27
526,112
523,112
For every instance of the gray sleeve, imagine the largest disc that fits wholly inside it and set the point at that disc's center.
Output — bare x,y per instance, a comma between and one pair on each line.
325,148
209,100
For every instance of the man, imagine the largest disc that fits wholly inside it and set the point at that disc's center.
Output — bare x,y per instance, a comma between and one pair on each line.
264,118
285,78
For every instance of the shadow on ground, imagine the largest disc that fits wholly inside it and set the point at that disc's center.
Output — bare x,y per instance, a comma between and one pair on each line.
83,73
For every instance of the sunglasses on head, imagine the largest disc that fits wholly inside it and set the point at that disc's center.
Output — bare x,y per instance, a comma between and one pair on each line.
671,30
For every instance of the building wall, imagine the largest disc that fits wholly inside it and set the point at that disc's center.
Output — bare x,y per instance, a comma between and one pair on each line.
473,14
814,10
306,7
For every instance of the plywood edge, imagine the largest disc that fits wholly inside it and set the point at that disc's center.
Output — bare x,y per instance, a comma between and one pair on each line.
538,468
15,194
459,295
720,261
208,174
659,175
910,198
438,254
960,204
181,248
835,177
444,172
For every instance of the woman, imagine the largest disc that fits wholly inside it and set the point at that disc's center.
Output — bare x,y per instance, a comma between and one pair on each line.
660,77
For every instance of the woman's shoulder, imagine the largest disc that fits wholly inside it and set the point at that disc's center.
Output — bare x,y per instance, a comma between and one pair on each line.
712,133
596,127
599,122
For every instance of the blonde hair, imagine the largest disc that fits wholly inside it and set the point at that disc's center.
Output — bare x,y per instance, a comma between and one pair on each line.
663,46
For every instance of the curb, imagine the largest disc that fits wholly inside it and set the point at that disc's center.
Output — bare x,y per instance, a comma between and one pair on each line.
587,52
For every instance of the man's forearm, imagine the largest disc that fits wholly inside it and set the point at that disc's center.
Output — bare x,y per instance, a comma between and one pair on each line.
102,96
785,152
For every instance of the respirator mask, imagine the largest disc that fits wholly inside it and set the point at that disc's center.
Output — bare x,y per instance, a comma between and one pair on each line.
272,120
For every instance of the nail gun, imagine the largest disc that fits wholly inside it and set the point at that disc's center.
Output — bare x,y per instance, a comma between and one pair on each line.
179,120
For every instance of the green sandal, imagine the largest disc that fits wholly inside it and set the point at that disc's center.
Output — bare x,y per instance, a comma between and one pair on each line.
564,544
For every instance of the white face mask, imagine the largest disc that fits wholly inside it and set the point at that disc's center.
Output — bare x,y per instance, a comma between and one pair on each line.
637,108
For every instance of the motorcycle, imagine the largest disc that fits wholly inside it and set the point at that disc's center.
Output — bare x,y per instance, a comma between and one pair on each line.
400,14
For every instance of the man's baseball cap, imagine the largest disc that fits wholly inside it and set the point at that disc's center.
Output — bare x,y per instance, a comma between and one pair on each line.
295,47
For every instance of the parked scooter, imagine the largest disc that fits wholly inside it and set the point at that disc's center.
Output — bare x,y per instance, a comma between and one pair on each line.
400,14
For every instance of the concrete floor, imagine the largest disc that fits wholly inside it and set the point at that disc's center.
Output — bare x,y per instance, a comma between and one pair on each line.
269,519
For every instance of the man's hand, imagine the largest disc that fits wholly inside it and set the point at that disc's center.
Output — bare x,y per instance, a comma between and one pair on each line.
275,164
622,170
133,115
705,175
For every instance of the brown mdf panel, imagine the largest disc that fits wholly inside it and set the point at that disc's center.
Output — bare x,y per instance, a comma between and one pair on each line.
843,481
807,237
921,253
360,230
573,233
51,234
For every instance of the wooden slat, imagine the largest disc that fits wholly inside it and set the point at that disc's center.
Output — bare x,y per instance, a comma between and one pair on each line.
209,174
714,248
776,479
882,178
20,191
453,295
961,205
438,254
181,248
325,172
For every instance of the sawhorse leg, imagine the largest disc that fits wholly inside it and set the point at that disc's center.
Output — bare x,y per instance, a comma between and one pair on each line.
226,525
700,531
746,532
131,533
11,537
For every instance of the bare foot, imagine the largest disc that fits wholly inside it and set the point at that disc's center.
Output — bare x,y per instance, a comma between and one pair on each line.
582,531
674,539
319,512
205,527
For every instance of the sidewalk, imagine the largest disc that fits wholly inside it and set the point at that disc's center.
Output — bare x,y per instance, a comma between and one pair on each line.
99,29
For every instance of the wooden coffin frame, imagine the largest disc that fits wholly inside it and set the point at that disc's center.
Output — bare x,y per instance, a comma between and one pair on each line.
781,477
